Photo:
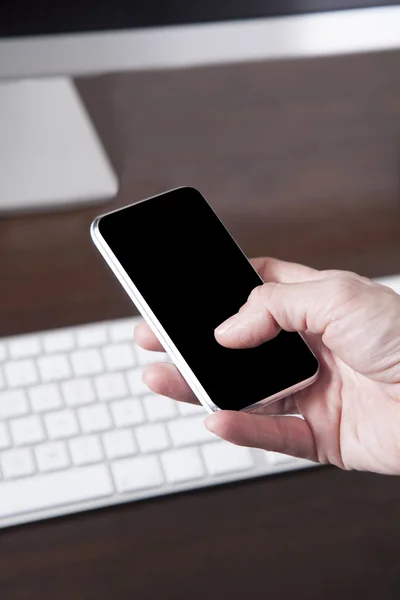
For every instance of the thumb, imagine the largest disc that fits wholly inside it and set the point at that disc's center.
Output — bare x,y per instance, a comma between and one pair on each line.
275,306
342,308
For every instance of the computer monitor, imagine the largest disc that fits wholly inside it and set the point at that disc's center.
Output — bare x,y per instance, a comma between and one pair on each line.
50,153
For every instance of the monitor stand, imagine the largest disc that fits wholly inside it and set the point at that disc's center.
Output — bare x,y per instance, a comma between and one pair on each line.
50,154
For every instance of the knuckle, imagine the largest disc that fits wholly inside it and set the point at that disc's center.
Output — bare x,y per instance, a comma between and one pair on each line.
255,294
330,273
260,294
344,287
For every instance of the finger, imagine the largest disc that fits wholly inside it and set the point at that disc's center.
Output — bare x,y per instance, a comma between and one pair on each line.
305,306
146,339
288,435
272,269
165,379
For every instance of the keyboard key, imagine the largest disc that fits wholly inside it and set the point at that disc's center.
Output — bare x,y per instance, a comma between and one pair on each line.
86,449
136,384
92,336
61,424
119,443
122,331
58,341
87,362
26,430
225,458
24,347
54,368
45,397
55,489
127,412
16,463
51,456
2,380
119,356
186,409
4,437
13,403
95,418
137,473
111,386
189,430
182,465
152,438
78,392
20,373
159,408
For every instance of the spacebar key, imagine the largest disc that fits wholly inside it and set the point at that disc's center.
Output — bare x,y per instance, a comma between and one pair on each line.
45,491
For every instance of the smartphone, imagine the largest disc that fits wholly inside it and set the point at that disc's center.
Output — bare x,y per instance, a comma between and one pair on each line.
186,275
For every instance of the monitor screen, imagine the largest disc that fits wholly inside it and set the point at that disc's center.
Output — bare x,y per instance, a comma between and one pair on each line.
26,18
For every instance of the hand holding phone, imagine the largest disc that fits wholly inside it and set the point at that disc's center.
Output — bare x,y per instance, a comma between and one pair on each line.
205,279
351,415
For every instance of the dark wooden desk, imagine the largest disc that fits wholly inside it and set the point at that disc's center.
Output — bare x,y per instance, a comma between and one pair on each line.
301,159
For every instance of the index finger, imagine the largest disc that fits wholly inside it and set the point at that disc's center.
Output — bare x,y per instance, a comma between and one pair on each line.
144,336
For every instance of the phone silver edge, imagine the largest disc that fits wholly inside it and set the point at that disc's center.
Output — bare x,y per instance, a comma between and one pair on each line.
150,318
163,336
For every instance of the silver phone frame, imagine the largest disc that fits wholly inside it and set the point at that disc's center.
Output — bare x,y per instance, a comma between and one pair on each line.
159,331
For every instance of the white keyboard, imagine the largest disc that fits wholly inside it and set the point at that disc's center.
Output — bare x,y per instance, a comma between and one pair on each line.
79,429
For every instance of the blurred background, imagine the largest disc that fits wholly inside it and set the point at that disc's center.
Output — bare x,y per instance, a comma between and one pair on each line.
286,116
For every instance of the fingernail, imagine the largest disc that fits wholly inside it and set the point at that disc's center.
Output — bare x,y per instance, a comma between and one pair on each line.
221,329
209,423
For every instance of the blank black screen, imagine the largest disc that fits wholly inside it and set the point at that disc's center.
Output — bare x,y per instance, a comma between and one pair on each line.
194,276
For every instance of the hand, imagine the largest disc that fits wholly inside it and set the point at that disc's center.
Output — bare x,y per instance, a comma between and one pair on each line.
351,414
